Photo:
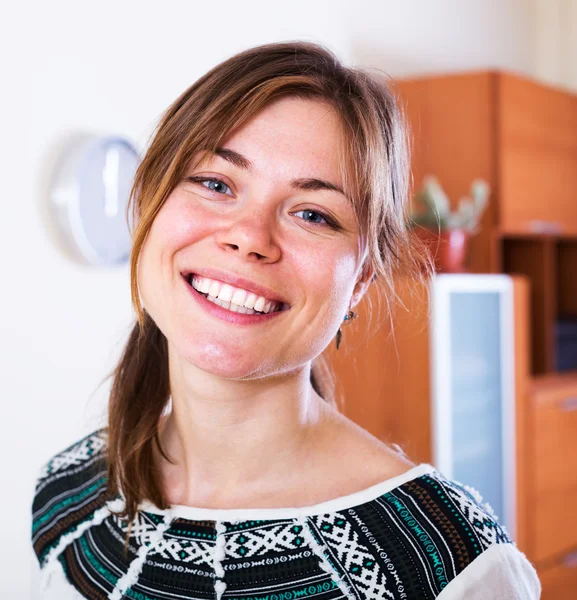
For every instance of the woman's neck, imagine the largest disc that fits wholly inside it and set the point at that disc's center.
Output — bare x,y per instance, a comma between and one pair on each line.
250,440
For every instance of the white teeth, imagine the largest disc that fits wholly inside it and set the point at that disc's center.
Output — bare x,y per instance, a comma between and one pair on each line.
232,307
204,285
250,300
226,294
259,304
214,289
239,297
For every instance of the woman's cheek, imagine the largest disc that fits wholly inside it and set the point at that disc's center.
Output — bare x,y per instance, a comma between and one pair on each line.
183,222
344,267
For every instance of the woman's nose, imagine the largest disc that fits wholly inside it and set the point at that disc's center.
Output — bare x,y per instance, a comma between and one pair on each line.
250,237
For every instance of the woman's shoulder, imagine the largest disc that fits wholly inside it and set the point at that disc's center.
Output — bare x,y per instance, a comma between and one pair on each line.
70,487
433,532
442,540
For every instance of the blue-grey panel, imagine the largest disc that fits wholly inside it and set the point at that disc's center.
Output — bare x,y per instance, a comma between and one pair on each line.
476,394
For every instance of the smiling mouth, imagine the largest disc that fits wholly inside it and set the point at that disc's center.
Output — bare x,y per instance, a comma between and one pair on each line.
268,308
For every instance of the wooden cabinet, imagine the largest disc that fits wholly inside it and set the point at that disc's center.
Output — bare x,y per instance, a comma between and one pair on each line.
535,257
386,382
521,136
549,261
559,582
536,154
518,134
554,425
453,124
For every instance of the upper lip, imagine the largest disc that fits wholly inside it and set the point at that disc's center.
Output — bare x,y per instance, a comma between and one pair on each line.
238,282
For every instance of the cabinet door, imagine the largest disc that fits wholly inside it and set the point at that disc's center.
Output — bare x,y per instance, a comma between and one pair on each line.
474,397
554,426
560,581
537,154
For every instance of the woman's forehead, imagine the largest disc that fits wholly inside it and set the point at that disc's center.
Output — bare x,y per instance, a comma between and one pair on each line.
290,128
297,136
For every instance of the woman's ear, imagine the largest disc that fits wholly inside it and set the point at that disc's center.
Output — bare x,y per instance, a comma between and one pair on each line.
363,282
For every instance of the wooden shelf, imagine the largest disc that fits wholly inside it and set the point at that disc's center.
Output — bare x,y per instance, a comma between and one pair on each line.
564,235
550,381
549,261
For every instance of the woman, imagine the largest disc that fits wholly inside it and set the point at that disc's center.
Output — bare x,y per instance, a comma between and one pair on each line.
272,195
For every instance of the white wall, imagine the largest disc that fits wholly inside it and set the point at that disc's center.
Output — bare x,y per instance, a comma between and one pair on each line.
556,42
415,37
112,67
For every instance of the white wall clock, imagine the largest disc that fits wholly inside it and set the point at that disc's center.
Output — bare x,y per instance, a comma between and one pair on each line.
90,192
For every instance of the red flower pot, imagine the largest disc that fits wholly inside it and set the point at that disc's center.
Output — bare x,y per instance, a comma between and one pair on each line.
448,248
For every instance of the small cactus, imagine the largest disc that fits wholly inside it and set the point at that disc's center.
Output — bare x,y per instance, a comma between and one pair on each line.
436,213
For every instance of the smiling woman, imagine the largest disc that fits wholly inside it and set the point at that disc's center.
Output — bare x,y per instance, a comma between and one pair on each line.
272,195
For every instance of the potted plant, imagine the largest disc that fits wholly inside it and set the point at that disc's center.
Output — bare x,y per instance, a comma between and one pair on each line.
447,232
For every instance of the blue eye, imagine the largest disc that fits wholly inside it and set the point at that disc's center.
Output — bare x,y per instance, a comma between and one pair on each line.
210,183
218,186
308,212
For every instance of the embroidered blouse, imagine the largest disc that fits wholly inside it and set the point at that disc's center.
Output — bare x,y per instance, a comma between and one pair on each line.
415,536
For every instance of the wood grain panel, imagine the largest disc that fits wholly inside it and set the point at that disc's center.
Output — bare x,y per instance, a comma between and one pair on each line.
555,455
538,154
453,122
559,582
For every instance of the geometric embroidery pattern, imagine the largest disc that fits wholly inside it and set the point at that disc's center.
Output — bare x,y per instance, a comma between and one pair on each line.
259,541
408,543
76,455
351,556
195,553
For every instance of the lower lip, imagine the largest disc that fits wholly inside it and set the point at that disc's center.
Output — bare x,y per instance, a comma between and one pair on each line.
228,315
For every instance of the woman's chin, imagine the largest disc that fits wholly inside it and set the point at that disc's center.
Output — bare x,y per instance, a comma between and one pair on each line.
224,360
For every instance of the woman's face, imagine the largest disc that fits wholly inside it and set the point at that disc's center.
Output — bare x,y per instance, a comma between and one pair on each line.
258,210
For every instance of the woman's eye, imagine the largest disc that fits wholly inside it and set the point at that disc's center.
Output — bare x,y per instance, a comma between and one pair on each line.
315,214
214,185
219,187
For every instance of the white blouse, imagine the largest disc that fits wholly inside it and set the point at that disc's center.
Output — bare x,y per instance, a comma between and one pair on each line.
414,536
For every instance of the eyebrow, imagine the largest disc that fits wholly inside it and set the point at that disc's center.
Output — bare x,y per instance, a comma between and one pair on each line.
307,184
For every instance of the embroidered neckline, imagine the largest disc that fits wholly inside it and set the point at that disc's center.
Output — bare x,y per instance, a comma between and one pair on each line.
194,513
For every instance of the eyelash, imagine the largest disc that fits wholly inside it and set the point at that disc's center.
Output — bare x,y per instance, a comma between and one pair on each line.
330,222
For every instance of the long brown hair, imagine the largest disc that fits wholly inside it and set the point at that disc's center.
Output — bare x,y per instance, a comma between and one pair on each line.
376,176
